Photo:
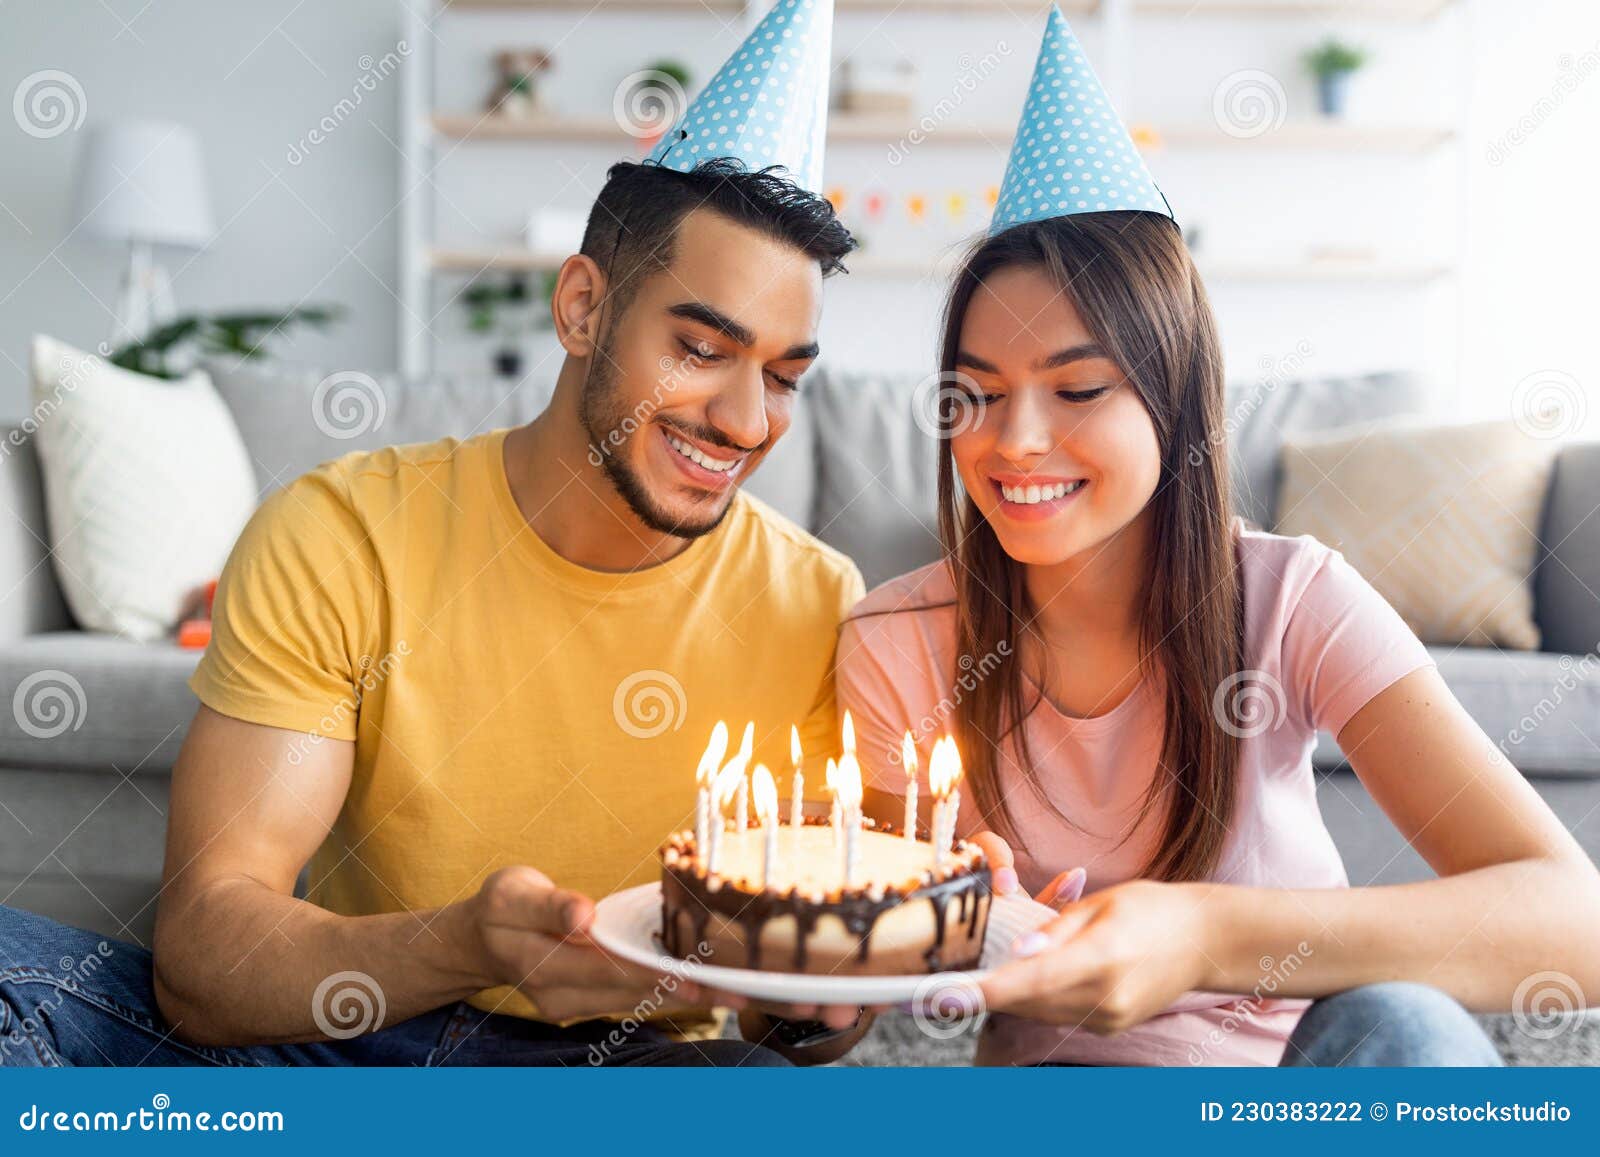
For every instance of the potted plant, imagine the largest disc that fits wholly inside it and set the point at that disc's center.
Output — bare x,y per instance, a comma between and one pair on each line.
1332,62
507,308
169,351
661,95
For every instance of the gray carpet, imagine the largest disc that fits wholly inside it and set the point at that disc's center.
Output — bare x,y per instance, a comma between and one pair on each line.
896,1039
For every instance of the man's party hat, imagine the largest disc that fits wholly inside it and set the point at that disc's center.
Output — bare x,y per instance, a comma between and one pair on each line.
1071,153
768,105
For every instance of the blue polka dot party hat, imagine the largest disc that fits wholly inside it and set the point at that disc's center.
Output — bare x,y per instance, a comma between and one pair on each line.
1071,153
768,104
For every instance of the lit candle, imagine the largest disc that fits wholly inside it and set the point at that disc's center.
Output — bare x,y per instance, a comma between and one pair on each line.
834,821
766,799
703,776
953,806
741,800
941,774
714,838
908,756
797,793
724,788
849,783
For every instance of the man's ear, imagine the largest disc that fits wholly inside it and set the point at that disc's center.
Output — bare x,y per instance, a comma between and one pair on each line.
575,304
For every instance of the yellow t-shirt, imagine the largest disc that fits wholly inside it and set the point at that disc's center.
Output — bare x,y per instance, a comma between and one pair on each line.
508,706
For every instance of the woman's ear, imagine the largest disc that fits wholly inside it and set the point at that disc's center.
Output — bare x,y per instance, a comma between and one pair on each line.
575,304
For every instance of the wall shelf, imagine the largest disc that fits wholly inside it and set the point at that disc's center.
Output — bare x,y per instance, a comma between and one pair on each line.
432,268
448,261
1387,10
911,7
1307,135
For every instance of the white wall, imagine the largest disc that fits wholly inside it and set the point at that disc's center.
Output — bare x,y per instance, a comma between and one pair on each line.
250,79
1533,236
253,78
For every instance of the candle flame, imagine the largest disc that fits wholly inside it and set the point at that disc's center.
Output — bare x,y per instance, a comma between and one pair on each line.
831,776
747,742
944,767
908,756
764,794
847,781
849,735
796,756
727,781
712,759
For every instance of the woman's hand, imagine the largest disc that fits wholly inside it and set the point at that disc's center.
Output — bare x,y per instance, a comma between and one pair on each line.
1066,887
1107,962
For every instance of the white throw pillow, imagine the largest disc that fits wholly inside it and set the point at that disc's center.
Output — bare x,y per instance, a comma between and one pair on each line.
147,484
1442,520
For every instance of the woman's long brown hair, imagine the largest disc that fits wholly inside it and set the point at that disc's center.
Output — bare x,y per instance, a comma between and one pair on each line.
1130,277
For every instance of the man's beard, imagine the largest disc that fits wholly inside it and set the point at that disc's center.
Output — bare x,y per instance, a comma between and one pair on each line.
602,411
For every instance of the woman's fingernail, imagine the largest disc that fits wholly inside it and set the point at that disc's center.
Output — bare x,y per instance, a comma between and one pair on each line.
1072,888
1005,881
1029,943
956,1003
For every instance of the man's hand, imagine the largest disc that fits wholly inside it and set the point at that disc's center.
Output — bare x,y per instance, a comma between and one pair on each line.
535,936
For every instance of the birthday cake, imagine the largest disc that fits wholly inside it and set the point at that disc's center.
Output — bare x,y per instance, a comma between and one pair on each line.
837,895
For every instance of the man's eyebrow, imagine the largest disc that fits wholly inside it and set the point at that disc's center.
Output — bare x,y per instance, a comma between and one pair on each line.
714,319
798,353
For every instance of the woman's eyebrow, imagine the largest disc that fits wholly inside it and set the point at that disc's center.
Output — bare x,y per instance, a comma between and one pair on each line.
1056,360
1069,355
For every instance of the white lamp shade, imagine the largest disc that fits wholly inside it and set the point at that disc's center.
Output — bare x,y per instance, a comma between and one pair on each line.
143,181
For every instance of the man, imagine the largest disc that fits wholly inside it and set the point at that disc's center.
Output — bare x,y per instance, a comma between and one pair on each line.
463,686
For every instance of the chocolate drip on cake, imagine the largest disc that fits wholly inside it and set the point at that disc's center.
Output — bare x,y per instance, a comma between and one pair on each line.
692,898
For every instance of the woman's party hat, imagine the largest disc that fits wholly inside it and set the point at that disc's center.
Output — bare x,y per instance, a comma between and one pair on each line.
768,105
1072,153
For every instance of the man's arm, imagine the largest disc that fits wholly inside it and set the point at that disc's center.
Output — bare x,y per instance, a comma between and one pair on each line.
238,959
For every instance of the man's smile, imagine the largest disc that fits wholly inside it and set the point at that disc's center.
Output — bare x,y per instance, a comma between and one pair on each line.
710,468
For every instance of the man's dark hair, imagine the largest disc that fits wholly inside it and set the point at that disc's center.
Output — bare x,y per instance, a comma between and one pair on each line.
633,227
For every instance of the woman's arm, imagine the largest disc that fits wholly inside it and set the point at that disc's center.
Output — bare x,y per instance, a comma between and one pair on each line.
1516,893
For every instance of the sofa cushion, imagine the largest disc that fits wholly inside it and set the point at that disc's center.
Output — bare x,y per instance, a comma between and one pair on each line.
876,473
1442,520
294,419
147,484
1541,709
30,597
1259,416
876,469
85,700
786,480
1567,586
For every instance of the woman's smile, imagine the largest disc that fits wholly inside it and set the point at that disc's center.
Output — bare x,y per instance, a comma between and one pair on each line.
1034,499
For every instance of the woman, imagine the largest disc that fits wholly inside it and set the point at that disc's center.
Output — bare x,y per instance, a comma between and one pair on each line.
1135,683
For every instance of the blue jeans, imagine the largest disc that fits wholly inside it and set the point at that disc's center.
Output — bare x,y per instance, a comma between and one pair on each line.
69,997
1395,1023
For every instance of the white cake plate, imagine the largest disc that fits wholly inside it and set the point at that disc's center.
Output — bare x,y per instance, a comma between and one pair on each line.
628,924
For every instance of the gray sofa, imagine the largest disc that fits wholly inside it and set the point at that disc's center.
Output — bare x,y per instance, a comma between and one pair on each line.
82,813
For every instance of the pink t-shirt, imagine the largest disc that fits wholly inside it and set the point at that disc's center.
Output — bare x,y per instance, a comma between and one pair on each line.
1321,644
